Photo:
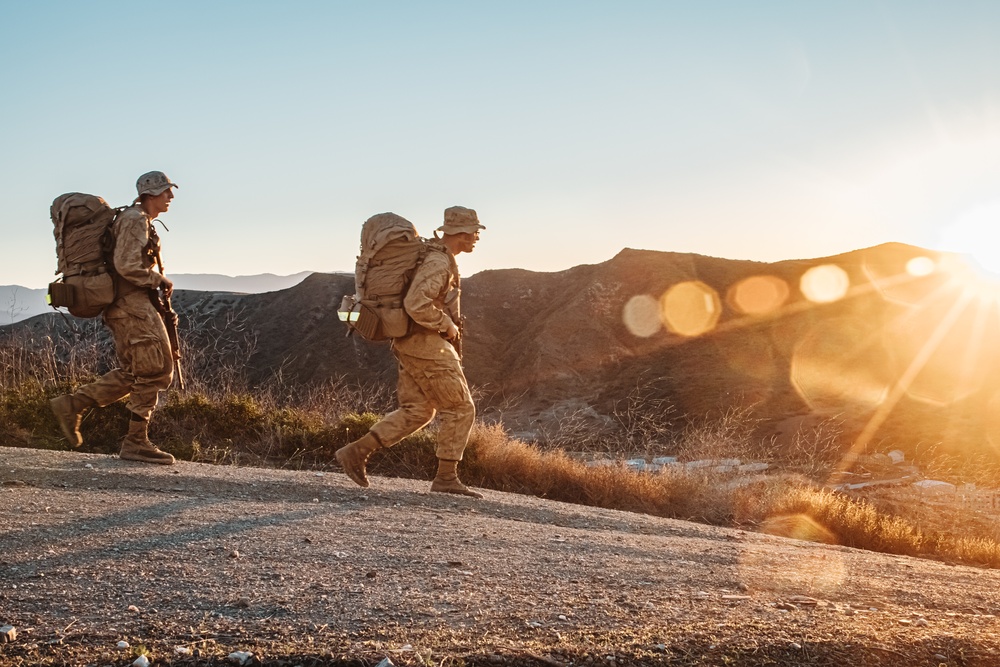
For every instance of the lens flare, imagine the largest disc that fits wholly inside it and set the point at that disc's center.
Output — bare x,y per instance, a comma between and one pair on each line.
902,277
825,283
921,266
758,295
690,308
805,571
641,316
798,527
943,347
841,361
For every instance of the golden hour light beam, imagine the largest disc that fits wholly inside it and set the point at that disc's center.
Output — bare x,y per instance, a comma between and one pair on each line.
899,389
695,310
934,376
972,277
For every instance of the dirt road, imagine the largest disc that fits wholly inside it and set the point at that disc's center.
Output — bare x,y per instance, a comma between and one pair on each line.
191,563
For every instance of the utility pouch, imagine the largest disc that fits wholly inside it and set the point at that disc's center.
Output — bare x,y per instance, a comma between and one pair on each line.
91,294
372,320
60,295
395,322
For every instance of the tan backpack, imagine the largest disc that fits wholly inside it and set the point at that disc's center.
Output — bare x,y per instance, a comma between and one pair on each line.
84,245
391,251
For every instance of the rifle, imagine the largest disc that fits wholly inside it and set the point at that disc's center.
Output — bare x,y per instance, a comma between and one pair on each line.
457,343
162,304
451,306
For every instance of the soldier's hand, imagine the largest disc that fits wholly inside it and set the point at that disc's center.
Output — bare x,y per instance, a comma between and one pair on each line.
168,287
452,332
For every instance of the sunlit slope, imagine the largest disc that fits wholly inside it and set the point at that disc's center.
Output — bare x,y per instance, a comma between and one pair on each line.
898,342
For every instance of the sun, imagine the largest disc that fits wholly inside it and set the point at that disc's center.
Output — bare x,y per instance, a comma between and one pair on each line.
976,234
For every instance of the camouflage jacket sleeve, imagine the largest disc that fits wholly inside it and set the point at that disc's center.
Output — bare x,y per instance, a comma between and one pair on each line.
425,299
133,262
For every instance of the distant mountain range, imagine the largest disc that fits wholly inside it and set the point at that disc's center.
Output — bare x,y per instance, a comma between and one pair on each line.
19,303
888,343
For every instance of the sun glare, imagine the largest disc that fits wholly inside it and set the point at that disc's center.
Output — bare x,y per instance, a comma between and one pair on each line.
975,234
931,344
972,278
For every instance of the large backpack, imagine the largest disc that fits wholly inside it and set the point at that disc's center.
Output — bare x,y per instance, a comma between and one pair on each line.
391,251
84,243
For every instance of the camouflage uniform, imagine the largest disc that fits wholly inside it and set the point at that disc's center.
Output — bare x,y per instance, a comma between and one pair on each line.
139,334
431,380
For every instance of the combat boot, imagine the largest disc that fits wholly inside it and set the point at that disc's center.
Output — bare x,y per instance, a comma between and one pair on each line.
447,480
137,447
68,410
353,457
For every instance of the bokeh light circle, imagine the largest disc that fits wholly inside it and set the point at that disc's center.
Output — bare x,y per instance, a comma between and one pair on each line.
690,308
641,316
758,295
825,283
921,266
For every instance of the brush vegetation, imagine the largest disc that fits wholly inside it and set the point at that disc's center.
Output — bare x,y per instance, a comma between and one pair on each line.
223,419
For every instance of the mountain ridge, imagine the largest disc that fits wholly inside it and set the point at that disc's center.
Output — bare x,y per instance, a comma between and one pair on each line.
543,349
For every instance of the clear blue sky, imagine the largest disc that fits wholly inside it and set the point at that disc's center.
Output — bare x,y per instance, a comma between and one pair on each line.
747,130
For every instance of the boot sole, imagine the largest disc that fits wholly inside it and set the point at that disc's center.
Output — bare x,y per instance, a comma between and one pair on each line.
458,492
147,459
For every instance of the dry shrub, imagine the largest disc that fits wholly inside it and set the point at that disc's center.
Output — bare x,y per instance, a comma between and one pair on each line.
645,419
732,435
855,523
816,450
225,420
494,460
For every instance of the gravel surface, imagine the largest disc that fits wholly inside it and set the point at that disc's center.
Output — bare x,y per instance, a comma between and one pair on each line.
192,563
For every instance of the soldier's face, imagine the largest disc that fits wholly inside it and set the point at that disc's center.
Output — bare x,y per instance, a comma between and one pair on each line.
469,240
160,203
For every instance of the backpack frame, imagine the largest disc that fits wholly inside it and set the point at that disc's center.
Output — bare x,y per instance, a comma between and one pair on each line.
84,248
391,252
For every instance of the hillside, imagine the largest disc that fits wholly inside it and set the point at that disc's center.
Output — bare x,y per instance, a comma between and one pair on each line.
903,352
192,563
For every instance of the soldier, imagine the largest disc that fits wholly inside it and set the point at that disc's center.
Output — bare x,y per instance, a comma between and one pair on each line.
137,327
431,380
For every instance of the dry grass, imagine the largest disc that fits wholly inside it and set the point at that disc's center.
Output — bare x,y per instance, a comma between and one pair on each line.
224,420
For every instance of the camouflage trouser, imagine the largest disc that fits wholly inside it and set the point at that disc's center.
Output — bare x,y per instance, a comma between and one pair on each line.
143,352
427,387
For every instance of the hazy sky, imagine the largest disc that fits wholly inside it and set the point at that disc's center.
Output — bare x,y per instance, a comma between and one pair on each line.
747,130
